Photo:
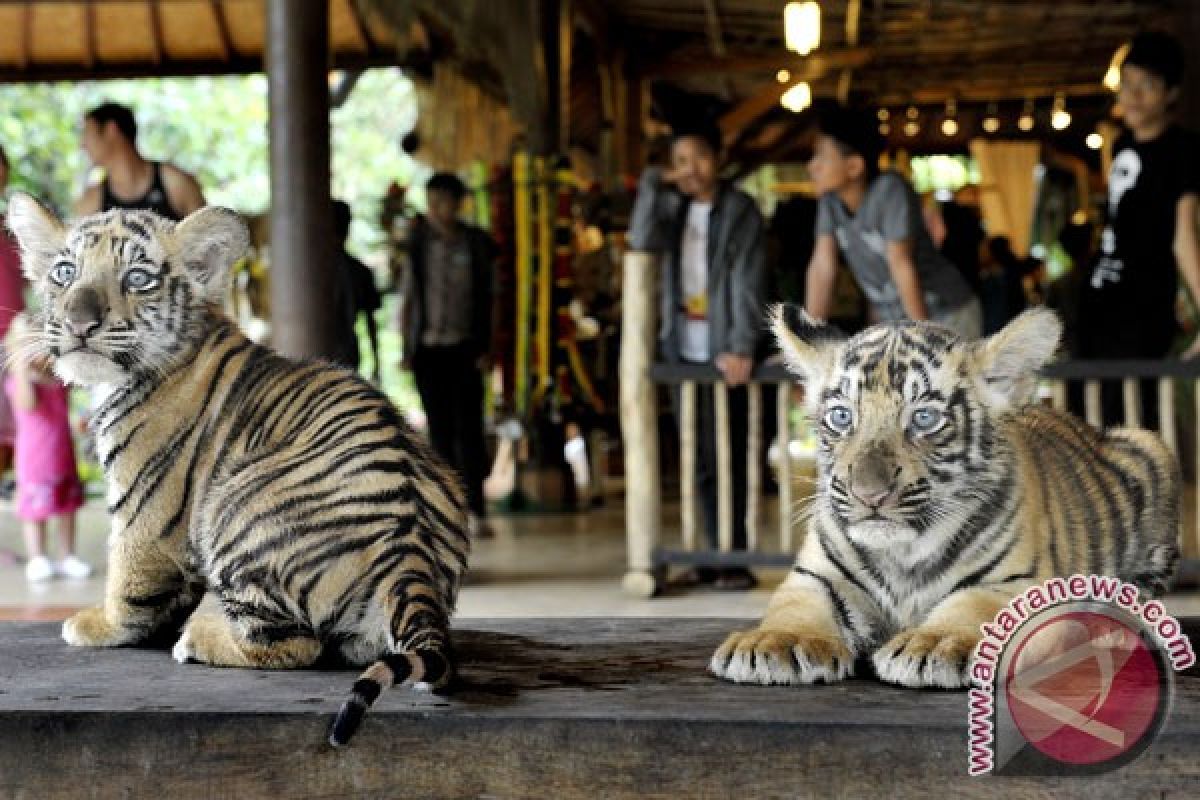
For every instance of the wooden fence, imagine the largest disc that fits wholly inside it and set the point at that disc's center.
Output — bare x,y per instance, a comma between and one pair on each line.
640,377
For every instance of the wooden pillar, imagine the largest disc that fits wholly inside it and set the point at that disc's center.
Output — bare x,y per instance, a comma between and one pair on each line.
302,250
639,423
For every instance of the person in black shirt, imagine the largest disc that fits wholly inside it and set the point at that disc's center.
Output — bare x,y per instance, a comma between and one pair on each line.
357,294
130,181
1128,304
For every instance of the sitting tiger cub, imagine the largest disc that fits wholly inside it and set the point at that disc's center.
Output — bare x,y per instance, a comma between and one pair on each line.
292,491
942,492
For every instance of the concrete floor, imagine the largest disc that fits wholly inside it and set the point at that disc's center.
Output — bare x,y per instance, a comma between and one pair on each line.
538,565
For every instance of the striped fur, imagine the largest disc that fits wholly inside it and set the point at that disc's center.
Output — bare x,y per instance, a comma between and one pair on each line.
942,493
292,492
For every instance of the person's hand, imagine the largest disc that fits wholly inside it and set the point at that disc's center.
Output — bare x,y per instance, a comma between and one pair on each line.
1193,351
671,176
735,368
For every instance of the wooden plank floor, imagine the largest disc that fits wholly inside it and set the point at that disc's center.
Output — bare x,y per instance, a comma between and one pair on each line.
547,708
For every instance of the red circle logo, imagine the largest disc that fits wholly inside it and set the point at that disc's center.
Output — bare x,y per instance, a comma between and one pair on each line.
1085,688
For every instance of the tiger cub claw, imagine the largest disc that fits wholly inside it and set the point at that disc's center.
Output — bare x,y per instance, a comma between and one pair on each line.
919,658
774,657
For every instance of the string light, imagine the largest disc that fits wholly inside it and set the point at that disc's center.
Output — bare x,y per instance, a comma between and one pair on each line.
1060,118
1094,140
802,26
884,129
783,76
991,122
883,114
1025,121
797,98
950,123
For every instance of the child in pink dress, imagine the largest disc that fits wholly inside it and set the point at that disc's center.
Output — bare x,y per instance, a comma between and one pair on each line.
48,486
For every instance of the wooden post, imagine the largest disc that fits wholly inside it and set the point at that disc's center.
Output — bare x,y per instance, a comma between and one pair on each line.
1132,395
1058,395
783,419
1093,412
639,423
754,426
1166,413
303,268
687,463
724,468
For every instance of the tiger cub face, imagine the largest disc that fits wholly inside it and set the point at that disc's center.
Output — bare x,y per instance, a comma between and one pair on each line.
123,292
906,418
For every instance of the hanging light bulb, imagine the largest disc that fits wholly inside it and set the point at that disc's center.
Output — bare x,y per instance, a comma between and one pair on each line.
1094,140
912,112
883,114
884,129
1060,118
797,98
1025,121
802,26
1112,76
783,76
950,123
991,122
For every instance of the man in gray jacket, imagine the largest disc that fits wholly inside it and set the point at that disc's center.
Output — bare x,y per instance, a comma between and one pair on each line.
711,238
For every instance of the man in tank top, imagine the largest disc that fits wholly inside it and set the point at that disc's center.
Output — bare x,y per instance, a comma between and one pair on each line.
130,181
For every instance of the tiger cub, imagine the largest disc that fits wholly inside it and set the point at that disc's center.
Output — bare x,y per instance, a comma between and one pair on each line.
291,491
942,492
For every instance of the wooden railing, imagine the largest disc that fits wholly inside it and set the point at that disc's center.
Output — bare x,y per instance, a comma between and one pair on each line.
648,558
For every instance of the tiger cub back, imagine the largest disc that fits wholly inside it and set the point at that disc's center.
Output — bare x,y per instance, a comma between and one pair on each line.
943,492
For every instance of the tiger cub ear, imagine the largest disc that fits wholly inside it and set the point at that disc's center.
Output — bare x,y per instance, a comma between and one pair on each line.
208,242
1006,363
38,231
809,347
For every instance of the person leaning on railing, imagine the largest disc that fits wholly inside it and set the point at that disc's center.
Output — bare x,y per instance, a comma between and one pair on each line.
1127,309
711,237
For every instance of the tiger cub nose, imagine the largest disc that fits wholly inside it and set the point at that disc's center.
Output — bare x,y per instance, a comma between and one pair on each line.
84,313
874,496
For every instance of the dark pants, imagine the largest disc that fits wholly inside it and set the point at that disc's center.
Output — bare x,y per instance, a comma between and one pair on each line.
451,389
706,459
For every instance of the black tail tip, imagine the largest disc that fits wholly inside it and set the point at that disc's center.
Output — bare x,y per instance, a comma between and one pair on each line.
347,722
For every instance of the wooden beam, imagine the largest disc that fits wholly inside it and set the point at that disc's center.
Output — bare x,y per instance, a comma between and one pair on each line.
360,27
240,65
736,119
984,93
672,67
716,40
26,35
226,41
89,32
157,42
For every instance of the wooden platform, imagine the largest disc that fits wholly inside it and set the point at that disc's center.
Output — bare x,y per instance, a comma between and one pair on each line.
549,709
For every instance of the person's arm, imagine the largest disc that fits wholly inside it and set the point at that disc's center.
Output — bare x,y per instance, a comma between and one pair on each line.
88,202
1187,254
748,285
821,276
649,221
183,192
904,272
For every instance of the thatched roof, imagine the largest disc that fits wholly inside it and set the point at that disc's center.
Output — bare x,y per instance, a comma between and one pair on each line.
52,40
884,53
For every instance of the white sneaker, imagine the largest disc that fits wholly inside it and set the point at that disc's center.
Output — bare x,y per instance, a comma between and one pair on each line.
39,569
74,567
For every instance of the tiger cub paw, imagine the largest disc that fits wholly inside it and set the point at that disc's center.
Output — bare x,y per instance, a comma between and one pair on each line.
927,658
183,651
90,628
776,657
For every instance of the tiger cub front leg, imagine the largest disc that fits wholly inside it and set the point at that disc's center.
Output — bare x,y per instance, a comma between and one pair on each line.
938,651
144,589
809,635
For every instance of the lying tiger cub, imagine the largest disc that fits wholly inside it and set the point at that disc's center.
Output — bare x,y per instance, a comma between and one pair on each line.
942,492
292,491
